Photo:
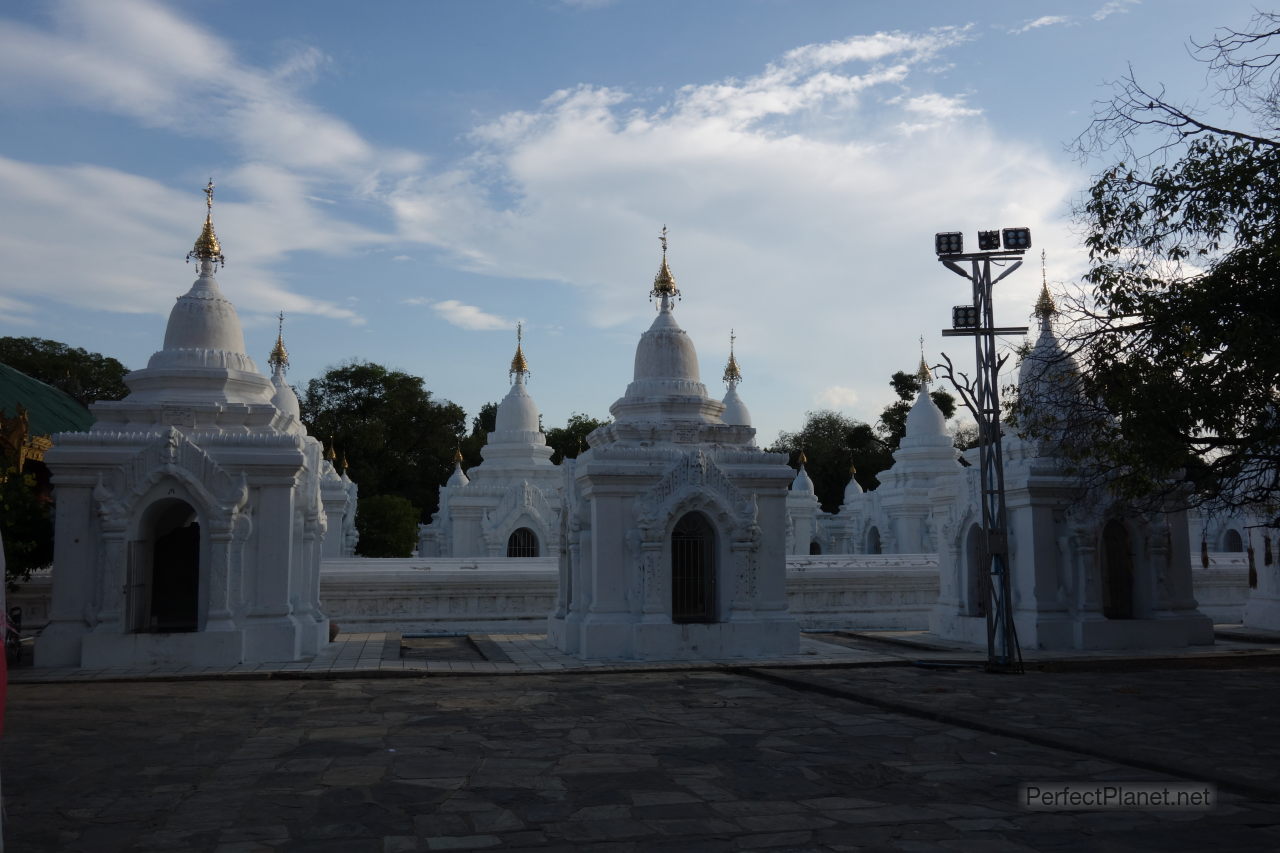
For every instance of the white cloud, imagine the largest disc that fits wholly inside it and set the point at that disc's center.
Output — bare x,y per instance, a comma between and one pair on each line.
1112,8
940,106
799,212
1042,21
128,242
402,258
139,59
837,397
469,316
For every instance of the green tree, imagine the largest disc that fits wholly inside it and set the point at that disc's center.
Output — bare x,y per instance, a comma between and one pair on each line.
1173,352
485,422
86,376
26,524
388,526
893,420
397,439
833,444
567,440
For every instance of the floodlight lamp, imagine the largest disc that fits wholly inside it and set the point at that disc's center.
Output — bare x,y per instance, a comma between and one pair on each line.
988,241
1017,239
964,317
948,243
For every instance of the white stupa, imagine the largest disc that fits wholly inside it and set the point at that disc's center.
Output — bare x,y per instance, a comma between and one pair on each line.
190,522
1086,574
735,411
509,505
803,509
926,457
676,522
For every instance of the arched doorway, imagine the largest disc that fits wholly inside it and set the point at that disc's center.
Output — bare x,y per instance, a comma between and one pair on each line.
166,579
815,548
522,542
873,541
977,573
1117,571
693,569
1232,542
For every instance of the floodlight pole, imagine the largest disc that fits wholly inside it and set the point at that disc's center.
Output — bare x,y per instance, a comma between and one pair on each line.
1003,654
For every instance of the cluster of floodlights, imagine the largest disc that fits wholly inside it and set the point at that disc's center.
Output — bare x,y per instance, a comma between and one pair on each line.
1010,239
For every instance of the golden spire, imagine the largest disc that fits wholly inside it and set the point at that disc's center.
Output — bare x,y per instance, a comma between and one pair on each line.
664,283
279,355
732,374
345,466
1044,304
803,459
519,364
922,372
329,453
207,247
457,454
853,469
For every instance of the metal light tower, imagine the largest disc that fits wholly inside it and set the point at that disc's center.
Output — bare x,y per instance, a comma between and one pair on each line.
1001,249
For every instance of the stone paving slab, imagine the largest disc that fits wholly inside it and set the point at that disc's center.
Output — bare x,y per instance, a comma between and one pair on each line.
377,654
711,760
1221,725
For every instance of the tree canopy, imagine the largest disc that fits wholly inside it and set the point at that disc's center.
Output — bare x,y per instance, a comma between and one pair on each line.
397,439
833,444
1174,347
83,375
485,422
568,439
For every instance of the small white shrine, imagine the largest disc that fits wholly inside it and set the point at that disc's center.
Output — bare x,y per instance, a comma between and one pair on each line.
340,497
1085,574
510,504
897,514
675,521
189,519
803,510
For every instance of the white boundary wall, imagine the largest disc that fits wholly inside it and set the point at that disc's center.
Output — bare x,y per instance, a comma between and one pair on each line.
439,594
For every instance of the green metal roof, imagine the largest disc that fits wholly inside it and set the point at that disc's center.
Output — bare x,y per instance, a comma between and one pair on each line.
50,410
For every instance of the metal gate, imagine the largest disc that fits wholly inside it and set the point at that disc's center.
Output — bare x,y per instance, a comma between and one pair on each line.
523,542
693,569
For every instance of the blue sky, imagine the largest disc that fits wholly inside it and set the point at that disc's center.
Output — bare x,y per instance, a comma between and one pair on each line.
406,180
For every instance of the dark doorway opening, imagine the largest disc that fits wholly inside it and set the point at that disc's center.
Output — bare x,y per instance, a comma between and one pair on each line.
1117,572
174,588
977,572
693,569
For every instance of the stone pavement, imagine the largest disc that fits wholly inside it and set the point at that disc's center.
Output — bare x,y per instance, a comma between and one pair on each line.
778,758
379,654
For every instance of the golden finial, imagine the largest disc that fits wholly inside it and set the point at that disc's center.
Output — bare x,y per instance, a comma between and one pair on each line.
803,459
732,374
1044,303
345,466
664,283
457,454
207,247
853,469
279,355
922,372
519,364
330,453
